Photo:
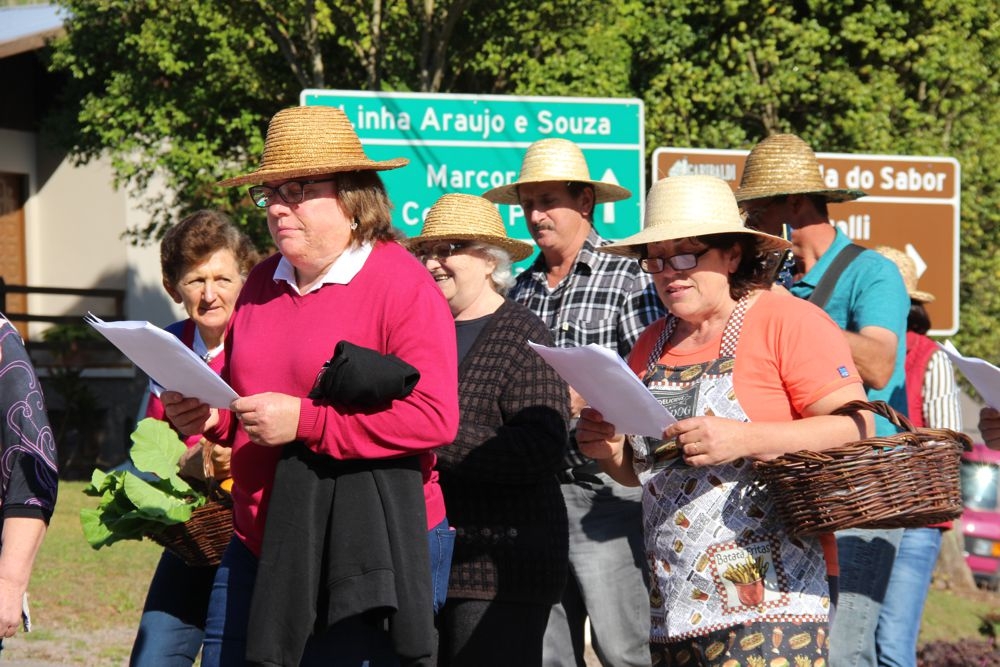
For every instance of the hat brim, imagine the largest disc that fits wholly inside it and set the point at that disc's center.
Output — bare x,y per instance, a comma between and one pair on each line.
922,297
603,192
283,173
835,196
632,246
517,250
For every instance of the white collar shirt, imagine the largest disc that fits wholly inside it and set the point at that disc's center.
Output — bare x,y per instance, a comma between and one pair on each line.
341,272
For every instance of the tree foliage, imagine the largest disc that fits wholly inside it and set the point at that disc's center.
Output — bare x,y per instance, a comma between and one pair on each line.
910,77
183,90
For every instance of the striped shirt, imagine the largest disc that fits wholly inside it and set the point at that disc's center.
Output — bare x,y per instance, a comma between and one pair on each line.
940,394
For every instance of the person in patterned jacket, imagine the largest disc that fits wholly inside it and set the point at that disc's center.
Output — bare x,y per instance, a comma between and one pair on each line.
499,475
29,476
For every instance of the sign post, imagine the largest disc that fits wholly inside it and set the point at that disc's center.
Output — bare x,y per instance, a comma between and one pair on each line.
473,143
913,204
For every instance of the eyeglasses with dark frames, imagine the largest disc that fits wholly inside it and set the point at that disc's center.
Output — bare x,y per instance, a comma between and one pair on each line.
439,250
681,262
291,192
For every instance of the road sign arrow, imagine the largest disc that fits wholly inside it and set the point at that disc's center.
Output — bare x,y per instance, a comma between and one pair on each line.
609,208
917,259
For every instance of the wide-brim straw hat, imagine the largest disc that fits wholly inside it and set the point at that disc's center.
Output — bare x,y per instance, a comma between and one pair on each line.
685,206
907,269
555,160
311,141
783,164
460,217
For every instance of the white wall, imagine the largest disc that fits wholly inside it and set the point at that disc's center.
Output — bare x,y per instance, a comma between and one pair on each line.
74,221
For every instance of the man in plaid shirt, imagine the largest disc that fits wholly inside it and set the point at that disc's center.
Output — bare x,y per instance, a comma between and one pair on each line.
587,297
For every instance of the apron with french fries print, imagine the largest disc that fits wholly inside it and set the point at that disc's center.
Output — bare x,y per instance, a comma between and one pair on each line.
727,583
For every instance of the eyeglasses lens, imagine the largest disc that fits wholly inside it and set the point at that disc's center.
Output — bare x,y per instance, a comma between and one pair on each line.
438,250
681,262
291,192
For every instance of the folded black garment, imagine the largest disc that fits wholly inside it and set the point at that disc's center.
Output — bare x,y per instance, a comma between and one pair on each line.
359,378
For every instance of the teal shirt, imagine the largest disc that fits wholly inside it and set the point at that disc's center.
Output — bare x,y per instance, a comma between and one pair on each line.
869,293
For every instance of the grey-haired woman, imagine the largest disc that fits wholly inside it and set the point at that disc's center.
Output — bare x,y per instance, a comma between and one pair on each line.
498,476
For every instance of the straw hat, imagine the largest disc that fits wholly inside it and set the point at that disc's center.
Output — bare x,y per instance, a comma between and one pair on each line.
683,206
908,269
783,164
458,217
549,160
311,141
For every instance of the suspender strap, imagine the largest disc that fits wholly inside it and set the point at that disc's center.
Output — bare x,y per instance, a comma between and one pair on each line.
824,289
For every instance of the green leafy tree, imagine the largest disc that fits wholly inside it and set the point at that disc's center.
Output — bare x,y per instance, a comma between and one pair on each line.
183,91
903,77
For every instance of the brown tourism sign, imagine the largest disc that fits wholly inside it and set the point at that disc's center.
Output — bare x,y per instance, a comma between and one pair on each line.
912,204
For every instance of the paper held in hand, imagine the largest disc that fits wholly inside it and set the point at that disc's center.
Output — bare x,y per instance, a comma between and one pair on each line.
166,360
983,375
609,386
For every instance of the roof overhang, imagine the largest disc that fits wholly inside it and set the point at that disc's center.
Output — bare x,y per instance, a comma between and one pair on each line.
26,28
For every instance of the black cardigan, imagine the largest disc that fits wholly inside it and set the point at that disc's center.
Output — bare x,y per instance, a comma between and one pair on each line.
498,477
343,538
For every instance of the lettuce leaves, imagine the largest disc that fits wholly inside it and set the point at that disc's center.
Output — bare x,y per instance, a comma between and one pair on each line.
130,506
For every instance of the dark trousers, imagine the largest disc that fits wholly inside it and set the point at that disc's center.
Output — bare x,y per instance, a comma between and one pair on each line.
483,633
173,618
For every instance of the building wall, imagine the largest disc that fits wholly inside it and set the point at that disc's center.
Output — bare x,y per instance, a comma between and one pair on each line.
74,221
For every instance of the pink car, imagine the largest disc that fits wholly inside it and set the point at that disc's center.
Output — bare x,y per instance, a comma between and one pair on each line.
981,518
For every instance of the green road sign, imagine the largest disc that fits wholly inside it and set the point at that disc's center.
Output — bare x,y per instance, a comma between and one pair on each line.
472,143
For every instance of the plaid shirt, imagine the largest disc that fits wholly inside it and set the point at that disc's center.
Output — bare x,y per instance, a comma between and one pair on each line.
605,299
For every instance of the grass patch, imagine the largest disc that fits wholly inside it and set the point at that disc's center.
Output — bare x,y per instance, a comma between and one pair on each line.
86,604
949,617
76,588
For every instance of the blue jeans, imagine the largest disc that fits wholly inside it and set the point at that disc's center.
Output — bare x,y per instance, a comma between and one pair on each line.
899,621
866,558
606,579
350,643
441,539
173,618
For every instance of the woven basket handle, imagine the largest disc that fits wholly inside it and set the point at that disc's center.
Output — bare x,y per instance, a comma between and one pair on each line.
207,466
880,408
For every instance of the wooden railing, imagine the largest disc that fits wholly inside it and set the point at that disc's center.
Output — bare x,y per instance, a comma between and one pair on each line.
87,353
117,297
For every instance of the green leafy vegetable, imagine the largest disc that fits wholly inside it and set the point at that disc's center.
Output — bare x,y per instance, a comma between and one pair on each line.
130,506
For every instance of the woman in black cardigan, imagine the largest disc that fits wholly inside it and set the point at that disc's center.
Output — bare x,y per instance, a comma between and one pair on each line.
498,477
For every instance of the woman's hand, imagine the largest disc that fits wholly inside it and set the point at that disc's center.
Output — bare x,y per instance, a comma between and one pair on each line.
596,438
708,441
989,427
270,419
192,462
220,461
21,540
11,599
576,403
188,415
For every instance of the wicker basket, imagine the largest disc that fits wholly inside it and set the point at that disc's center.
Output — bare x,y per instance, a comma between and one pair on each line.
907,480
201,540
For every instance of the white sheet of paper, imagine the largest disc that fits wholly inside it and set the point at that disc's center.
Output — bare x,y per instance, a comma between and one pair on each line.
983,375
607,383
165,359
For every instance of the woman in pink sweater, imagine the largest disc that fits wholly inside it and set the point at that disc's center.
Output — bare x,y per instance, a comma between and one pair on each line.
338,275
